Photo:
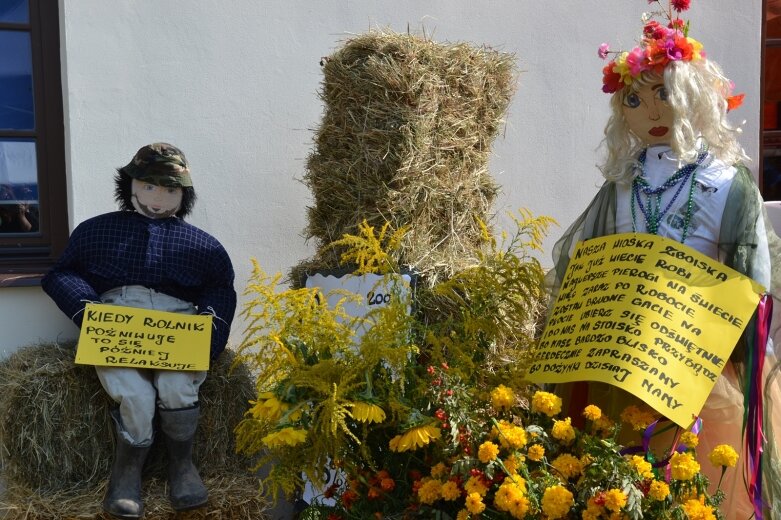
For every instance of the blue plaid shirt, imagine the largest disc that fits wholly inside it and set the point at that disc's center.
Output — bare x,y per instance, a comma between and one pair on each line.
167,255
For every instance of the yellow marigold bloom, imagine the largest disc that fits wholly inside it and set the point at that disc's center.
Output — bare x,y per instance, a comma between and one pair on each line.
512,463
593,510
429,491
450,491
502,398
643,467
563,431
475,485
697,510
474,503
536,452
659,490
556,502
367,412
723,455
615,499
567,466
414,438
547,403
690,440
683,466
487,452
462,515
604,424
439,470
592,412
284,437
639,419
268,407
512,498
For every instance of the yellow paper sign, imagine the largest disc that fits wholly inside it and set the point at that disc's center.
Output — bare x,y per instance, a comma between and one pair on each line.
116,336
649,315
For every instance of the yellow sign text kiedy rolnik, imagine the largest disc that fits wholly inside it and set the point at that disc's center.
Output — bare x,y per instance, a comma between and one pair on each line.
649,315
116,336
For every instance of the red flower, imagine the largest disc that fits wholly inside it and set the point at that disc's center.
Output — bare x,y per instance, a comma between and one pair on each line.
735,101
677,24
680,5
348,498
387,484
611,81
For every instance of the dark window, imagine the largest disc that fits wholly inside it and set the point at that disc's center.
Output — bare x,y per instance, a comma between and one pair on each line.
33,205
771,103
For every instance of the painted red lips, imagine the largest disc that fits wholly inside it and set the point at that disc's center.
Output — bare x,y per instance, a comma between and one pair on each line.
658,131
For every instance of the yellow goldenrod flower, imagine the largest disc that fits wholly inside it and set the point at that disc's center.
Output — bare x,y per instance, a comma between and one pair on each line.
415,438
563,431
547,403
659,490
723,455
683,466
592,412
487,452
536,452
284,437
557,501
502,398
615,499
367,412
474,503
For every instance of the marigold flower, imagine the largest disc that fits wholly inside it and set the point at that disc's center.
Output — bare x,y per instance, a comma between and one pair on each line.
367,412
556,502
683,466
536,452
510,436
658,490
487,452
439,470
476,485
511,497
723,455
388,484
284,437
547,403
502,398
642,466
615,499
463,514
697,510
592,412
567,465
563,431
429,491
512,463
415,438
474,503
637,418
450,491
690,439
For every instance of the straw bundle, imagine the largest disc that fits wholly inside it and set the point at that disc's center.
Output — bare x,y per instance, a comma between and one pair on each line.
57,439
405,138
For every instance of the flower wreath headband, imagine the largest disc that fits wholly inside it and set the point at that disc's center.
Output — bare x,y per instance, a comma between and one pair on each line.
660,45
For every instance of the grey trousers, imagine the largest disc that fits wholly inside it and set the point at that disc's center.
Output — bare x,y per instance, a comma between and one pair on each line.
140,391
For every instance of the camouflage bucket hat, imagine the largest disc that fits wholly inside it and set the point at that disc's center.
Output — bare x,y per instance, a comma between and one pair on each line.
161,164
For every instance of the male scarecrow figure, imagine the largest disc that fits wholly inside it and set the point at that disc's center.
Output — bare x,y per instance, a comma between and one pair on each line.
147,256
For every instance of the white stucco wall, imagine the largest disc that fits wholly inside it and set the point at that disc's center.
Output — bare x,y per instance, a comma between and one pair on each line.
234,85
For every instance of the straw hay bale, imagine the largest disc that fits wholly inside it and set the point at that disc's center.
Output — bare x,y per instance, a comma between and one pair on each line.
405,137
57,439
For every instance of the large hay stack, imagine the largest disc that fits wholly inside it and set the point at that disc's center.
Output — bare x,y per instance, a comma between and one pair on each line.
405,138
57,441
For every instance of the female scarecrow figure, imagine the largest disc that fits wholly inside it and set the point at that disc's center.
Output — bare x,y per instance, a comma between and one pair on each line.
147,256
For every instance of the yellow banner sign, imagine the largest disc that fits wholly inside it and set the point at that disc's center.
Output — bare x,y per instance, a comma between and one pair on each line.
649,315
116,336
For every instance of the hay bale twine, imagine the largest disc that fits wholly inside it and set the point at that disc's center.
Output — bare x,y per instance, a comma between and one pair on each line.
57,439
405,138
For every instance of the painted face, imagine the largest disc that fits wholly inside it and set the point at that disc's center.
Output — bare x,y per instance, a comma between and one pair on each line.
648,115
155,201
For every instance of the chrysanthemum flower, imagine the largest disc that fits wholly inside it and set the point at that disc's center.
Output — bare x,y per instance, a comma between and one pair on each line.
658,490
615,499
563,431
723,455
487,452
415,438
367,412
683,466
284,437
556,502
502,398
474,503
547,403
536,452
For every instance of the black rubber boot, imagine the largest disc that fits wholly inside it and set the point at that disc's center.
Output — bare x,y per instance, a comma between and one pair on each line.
123,495
186,487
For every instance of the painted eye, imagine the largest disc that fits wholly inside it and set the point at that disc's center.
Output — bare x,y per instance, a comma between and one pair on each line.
662,94
171,191
149,187
632,100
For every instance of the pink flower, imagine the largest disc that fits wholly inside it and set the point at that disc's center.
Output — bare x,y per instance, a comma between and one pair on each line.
603,50
680,5
636,61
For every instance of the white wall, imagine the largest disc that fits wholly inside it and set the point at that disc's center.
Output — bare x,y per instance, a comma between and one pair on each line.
234,85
